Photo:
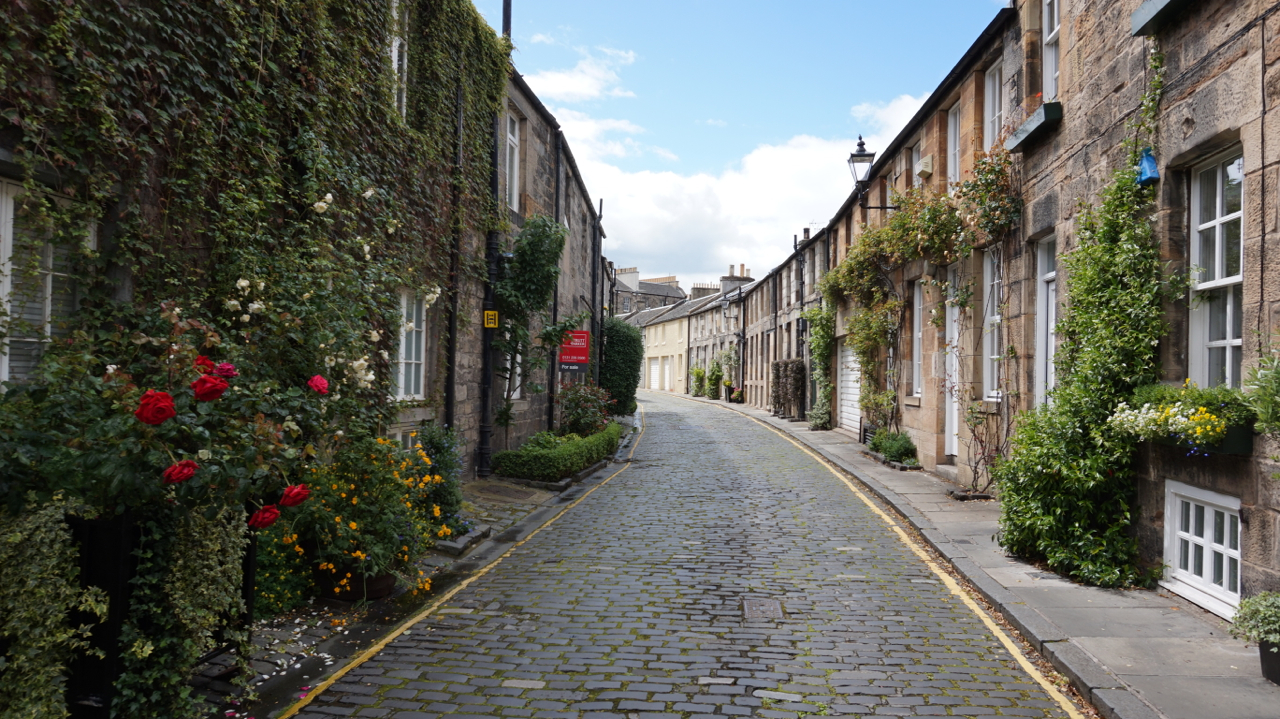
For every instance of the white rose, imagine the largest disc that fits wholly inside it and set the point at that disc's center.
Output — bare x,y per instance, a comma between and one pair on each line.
256,307
204,454
111,368
233,304
320,207
384,354
368,193
374,336
328,197
328,361
244,318
242,283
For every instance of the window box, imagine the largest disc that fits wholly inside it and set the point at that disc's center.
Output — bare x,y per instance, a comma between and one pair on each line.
1238,440
1044,119
1152,14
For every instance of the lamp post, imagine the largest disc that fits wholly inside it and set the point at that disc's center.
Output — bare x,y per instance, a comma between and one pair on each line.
860,163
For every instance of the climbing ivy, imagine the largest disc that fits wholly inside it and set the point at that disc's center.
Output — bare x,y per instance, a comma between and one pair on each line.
822,346
243,166
1068,485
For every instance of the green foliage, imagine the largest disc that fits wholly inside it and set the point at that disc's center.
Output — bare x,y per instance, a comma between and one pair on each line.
822,348
714,377
623,360
699,382
1258,619
1067,487
584,409
895,446
1229,405
283,579
553,463
374,508
39,589
444,447
1263,387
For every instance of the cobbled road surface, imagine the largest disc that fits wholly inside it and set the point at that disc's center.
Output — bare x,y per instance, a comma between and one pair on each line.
725,573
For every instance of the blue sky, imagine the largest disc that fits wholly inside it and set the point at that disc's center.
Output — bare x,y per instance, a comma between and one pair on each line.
715,131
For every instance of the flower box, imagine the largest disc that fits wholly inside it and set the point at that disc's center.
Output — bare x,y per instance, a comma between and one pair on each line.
1238,441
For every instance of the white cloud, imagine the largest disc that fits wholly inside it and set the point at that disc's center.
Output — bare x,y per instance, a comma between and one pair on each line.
542,39
595,76
694,226
716,123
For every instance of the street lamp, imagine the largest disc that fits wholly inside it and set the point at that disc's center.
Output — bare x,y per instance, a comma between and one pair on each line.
861,160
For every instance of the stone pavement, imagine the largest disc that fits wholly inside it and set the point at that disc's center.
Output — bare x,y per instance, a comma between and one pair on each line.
724,573
1134,654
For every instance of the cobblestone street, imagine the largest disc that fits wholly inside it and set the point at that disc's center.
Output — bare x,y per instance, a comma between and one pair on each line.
724,573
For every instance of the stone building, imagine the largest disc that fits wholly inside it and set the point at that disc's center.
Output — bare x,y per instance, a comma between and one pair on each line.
666,346
537,176
772,307
715,324
634,294
1057,84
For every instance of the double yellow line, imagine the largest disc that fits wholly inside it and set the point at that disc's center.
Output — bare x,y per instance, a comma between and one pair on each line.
943,576
381,644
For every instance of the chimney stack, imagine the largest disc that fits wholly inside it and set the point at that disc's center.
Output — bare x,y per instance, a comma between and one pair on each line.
742,269
731,269
806,234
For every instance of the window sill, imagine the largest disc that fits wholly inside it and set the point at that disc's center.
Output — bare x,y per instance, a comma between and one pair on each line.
991,406
1045,118
1215,284
911,400
1152,14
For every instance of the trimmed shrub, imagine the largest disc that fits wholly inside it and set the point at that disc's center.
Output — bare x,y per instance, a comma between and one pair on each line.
584,409
895,446
560,461
699,382
623,359
714,378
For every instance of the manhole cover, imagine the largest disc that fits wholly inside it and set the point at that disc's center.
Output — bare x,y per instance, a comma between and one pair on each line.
761,609
508,492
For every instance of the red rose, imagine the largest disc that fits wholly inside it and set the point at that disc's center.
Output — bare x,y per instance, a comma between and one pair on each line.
209,387
294,495
204,364
154,407
319,384
264,517
180,472
226,369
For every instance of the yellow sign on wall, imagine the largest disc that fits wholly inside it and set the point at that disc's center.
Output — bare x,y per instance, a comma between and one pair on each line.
491,319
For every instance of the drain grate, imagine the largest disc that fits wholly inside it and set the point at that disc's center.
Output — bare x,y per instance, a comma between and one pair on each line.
761,609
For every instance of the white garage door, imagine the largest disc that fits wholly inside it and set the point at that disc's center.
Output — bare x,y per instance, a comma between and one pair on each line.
850,384
653,373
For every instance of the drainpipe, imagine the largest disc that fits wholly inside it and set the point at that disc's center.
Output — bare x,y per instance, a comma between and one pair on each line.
553,366
455,254
596,324
484,450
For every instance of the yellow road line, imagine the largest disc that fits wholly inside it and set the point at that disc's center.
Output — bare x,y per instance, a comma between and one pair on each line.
381,644
946,578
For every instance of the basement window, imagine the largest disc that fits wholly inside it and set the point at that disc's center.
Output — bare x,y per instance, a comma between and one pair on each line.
1202,547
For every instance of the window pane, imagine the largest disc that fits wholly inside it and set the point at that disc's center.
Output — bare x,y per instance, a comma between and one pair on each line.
1186,516
1233,575
1208,195
1232,185
1197,564
1184,549
1233,532
1219,527
23,357
62,304
1232,250
27,302
1217,366
1237,311
1048,256
1199,521
1234,355
1208,254
1217,303
1217,568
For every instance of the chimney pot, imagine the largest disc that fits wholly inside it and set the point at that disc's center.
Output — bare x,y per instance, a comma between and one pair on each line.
742,269
731,269
806,233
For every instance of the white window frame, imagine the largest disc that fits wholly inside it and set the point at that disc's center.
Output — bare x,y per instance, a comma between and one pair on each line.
412,350
1046,317
917,335
993,104
953,146
992,344
400,53
1052,16
1213,277
916,180
10,192
513,161
1219,560
516,378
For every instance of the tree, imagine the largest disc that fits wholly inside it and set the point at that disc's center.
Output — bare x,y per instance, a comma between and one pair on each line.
623,360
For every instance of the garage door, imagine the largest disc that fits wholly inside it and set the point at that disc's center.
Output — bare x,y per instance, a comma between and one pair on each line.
849,378
653,373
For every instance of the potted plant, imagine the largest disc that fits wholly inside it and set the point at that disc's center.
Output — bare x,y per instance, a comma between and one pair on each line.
1258,620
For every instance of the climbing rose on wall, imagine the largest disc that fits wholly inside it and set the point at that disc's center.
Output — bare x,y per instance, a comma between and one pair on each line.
204,364
180,472
264,517
155,407
226,369
209,387
319,384
294,495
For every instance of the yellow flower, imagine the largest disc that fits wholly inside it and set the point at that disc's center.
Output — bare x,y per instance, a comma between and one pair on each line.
354,500
352,525
436,510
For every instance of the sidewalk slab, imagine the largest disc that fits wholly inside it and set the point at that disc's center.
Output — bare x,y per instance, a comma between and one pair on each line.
1134,654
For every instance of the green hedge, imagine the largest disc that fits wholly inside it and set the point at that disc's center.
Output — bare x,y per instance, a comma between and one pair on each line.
623,359
549,465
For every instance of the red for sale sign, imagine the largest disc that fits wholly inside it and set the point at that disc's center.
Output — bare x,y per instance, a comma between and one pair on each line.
575,349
